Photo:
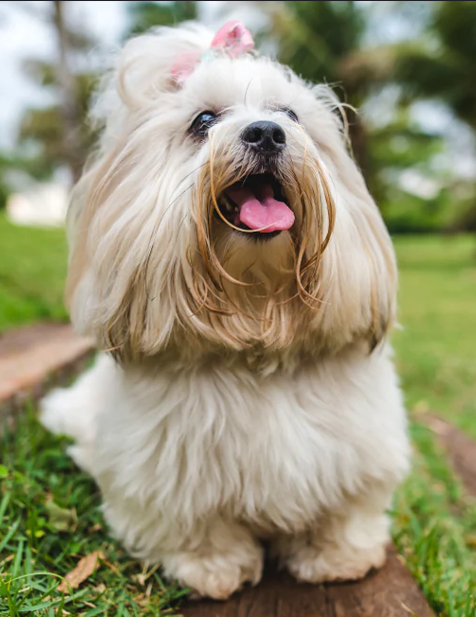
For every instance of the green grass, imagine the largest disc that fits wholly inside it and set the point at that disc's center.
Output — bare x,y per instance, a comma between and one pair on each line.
32,272
434,522
436,349
40,543
434,528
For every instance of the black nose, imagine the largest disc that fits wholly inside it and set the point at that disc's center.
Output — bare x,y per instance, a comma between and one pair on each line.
265,137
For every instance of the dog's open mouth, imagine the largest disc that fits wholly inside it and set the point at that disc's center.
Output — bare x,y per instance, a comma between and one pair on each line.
257,204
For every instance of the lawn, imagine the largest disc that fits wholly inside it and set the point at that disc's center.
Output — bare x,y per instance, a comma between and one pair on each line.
434,522
436,349
32,271
49,516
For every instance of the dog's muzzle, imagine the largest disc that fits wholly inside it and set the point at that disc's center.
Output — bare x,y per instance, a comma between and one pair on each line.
257,203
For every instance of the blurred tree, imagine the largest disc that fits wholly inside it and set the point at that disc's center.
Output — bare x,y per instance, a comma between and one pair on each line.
397,146
46,128
70,107
443,66
4,165
439,64
60,133
394,149
145,15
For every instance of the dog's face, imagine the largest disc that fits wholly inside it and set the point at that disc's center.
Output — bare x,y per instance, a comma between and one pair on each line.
224,210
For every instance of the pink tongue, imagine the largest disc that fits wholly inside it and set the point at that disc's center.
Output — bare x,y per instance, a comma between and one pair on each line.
259,210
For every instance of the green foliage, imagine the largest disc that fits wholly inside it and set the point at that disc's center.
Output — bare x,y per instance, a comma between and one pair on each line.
315,37
44,127
59,134
442,65
145,15
394,148
5,164
4,192
405,213
400,145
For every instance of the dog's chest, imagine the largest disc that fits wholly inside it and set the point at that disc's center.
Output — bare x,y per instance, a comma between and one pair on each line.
269,452
260,463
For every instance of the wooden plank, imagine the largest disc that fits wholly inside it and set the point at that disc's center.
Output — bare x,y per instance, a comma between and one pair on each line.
460,448
389,592
34,357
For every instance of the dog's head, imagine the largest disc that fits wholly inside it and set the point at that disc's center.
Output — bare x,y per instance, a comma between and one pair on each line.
223,209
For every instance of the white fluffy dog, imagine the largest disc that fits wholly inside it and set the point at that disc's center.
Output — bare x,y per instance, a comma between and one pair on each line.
227,255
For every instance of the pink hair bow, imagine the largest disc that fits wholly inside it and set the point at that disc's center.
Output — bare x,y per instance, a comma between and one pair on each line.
233,39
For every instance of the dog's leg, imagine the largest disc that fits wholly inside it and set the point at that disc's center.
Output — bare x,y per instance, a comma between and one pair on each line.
73,411
343,546
219,562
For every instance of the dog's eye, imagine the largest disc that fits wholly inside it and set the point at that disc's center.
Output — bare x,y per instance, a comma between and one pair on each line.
203,123
290,113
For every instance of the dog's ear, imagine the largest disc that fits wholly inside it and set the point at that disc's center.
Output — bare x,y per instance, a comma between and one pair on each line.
365,258
359,266
111,216
155,62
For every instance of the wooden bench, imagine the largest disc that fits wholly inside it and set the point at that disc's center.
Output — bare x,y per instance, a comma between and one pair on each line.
389,592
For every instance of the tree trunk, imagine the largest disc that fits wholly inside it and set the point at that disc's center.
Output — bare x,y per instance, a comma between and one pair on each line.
69,98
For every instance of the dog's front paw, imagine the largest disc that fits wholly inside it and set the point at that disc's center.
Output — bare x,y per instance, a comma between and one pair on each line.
334,563
215,575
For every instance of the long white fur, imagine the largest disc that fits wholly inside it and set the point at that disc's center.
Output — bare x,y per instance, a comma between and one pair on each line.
215,431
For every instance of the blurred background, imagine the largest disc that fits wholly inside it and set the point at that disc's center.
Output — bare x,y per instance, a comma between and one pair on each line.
407,66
